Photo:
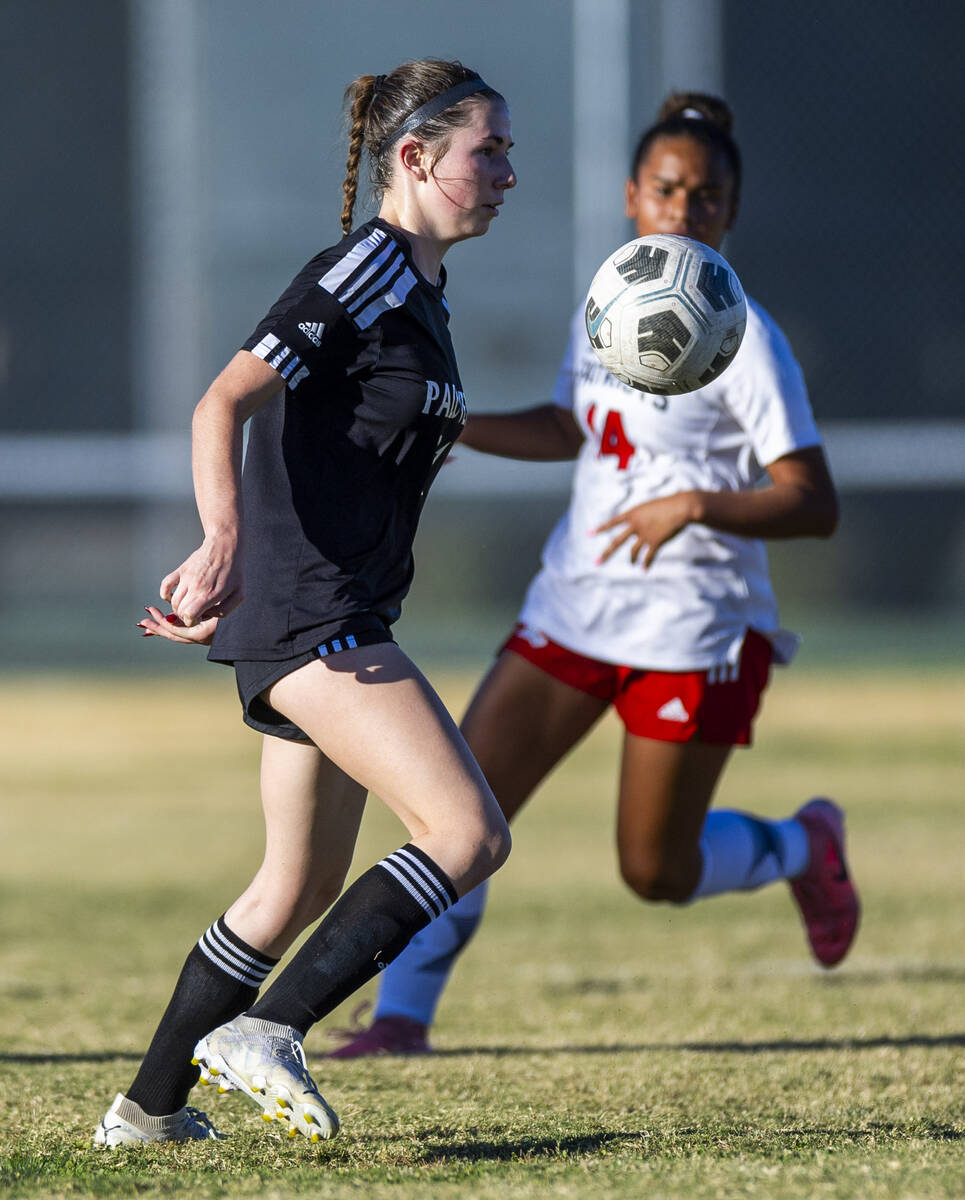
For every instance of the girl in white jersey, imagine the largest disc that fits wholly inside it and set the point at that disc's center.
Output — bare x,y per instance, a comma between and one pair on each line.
353,393
654,597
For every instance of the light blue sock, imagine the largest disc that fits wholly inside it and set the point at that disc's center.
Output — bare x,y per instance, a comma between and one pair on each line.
412,984
741,852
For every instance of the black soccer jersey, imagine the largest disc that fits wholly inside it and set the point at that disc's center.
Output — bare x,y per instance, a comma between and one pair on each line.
338,463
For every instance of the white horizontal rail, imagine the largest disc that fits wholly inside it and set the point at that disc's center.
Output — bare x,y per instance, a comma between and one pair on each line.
896,454
96,466
864,455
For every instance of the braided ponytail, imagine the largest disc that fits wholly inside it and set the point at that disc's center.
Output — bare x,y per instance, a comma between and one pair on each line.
359,93
377,106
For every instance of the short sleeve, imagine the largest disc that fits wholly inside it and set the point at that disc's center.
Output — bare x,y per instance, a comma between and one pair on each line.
308,333
768,397
563,389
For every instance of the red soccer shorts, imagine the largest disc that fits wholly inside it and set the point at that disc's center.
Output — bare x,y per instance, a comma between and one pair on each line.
717,705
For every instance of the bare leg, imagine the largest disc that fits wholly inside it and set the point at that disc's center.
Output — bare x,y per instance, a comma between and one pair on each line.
671,848
312,815
665,791
375,715
521,723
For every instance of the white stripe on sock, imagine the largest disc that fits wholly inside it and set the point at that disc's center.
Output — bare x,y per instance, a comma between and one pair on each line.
419,884
432,881
416,895
230,959
224,943
222,965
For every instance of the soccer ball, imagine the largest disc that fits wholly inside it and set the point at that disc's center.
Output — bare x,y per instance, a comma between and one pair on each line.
666,314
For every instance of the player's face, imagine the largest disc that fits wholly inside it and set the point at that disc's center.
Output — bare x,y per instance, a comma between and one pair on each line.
683,187
473,174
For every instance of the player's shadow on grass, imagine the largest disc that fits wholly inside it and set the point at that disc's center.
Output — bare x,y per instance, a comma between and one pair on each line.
45,1058
851,977
778,1046
441,1145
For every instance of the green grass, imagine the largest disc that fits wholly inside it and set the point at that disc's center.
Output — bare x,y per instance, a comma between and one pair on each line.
588,1046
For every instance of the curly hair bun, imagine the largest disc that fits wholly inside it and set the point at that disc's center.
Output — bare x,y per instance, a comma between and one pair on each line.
697,106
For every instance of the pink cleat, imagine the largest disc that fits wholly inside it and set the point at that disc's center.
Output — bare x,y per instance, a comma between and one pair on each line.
824,893
386,1035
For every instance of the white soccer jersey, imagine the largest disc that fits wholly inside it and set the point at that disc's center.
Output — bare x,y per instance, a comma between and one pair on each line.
692,607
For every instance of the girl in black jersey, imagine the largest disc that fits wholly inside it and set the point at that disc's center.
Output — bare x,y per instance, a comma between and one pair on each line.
354,399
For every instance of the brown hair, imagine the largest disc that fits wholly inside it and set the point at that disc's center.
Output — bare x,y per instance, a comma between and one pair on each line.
706,119
378,104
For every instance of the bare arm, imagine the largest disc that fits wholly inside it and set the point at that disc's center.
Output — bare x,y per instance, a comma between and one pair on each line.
800,501
208,583
544,434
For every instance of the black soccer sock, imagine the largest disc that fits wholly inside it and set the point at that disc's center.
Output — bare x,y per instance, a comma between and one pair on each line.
220,979
372,922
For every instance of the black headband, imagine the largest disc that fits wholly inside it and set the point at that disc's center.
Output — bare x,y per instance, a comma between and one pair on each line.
432,108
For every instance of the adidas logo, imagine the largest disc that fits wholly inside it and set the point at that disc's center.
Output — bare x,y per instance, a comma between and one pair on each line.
313,330
673,710
535,638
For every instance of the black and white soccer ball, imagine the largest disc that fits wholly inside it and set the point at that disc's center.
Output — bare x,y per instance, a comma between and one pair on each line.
666,314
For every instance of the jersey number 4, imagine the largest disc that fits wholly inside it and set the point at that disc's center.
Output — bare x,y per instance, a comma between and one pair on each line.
613,438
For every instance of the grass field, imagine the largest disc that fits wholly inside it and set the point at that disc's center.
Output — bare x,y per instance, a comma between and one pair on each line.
589,1045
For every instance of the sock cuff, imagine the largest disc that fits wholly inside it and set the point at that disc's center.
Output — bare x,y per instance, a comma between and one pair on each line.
131,1112
233,956
424,880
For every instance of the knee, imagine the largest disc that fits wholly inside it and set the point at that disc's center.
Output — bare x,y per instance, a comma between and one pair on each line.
658,878
495,845
488,850
502,843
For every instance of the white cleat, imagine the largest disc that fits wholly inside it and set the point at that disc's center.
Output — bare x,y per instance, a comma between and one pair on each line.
265,1062
127,1124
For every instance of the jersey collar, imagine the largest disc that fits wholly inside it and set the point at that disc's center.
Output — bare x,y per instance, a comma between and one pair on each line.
436,290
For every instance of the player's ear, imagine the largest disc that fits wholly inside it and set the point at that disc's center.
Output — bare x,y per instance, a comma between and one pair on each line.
631,199
414,160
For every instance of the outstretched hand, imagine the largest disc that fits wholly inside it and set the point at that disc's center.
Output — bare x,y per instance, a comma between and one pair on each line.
648,526
170,626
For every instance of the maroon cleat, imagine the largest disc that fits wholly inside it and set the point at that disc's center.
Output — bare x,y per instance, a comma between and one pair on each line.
386,1035
824,893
